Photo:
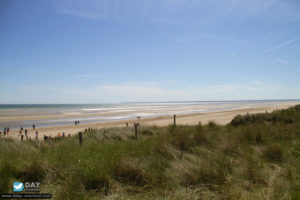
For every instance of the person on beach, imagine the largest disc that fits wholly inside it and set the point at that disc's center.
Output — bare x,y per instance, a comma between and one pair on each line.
22,138
7,130
63,134
33,126
58,135
75,122
37,135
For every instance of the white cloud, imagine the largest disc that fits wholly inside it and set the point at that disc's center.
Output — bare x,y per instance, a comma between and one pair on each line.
257,83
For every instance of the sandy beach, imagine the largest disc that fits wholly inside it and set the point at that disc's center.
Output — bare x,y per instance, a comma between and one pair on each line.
219,117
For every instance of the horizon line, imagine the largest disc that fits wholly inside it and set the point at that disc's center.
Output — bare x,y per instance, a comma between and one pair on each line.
131,102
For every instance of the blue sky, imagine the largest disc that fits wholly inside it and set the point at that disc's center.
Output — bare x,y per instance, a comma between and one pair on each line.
101,51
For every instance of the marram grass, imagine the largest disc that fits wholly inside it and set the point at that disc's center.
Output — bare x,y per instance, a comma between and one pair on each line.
254,157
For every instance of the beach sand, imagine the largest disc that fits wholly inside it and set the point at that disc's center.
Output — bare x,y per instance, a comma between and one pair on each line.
219,117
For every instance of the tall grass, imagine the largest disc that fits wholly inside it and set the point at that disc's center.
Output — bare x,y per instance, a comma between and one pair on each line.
253,157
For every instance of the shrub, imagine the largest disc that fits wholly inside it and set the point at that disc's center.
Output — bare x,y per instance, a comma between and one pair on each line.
212,124
147,132
200,136
97,182
258,137
34,172
273,153
130,172
238,120
5,174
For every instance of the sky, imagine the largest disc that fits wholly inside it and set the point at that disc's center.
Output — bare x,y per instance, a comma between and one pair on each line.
110,51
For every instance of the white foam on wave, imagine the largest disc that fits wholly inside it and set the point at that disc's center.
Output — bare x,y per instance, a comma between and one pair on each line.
72,113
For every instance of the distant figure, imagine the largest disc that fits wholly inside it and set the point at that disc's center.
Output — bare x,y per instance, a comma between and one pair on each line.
63,134
7,130
126,124
58,135
45,137
78,122
75,122
33,126
22,138
0,133
37,135
21,128
69,135
4,132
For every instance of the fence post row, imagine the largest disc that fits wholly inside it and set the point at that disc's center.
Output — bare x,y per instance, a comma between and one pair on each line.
135,130
174,120
80,138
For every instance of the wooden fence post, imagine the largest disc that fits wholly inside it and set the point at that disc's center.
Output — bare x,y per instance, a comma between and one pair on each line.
80,138
174,120
135,130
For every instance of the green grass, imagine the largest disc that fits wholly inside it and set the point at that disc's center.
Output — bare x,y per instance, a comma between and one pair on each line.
253,157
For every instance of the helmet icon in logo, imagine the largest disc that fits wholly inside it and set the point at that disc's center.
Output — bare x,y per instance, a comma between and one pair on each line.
18,187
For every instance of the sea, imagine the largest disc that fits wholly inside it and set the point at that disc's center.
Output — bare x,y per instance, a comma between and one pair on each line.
14,116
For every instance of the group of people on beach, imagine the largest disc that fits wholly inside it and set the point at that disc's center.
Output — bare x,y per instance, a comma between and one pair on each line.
59,136
77,122
26,133
5,131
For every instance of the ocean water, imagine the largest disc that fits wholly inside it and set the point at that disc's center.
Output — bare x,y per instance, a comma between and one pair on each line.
15,116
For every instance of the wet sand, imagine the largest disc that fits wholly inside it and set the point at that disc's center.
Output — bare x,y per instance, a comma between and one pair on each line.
219,117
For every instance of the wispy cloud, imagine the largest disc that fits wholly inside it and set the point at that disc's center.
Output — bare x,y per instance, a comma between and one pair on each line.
280,45
87,9
165,10
83,14
156,92
225,38
86,75
281,61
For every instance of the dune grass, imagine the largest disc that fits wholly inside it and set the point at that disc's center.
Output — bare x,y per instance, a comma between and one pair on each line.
256,156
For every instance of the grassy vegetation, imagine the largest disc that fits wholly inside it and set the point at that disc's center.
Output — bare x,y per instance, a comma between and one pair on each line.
254,157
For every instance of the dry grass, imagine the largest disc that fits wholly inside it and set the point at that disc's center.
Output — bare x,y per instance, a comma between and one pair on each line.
254,157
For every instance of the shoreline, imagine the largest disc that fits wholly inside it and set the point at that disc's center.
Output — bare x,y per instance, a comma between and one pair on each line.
219,117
